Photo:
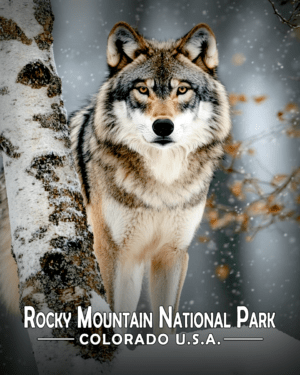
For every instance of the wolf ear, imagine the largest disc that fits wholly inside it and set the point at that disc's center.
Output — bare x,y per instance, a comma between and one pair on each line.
124,45
200,45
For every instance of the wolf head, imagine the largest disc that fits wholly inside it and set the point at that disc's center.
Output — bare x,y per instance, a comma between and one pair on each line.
162,95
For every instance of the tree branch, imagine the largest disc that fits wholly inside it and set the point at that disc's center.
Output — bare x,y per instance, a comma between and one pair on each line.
287,22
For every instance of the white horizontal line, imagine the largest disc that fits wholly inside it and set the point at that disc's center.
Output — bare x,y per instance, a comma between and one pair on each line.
243,338
54,338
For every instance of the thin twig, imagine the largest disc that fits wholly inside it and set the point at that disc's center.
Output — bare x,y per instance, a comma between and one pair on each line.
285,21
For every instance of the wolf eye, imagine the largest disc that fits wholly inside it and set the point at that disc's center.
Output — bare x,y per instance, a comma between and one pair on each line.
181,90
143,90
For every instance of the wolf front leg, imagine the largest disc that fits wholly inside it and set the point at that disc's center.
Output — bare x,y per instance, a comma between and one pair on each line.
167,275
128,284
122,276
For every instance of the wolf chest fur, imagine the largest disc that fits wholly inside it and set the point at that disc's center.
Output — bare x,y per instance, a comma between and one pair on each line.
145,149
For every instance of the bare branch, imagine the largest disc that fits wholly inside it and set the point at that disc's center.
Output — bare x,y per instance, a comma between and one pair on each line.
289,22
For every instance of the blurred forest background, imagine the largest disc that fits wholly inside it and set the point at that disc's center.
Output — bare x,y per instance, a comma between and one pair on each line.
247,249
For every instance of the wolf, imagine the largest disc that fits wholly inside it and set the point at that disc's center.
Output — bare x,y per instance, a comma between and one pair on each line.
145,149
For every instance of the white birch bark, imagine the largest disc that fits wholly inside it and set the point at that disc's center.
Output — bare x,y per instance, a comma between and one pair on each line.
51,243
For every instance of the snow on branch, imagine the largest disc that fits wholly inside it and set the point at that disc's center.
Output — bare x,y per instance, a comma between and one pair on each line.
293,20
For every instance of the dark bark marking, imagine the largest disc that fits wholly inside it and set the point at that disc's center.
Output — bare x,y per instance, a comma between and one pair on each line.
68,209
79,254
39,234
4,90
54,87
47,280
44,16
101,353
57,122
44,40
43,167
9,30
55,266
17,235
8,148
35,74
64,210
73,266
38,75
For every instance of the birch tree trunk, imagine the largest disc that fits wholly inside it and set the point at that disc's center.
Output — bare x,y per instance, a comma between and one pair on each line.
50,239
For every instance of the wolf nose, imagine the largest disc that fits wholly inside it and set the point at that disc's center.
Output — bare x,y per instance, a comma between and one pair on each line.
163,127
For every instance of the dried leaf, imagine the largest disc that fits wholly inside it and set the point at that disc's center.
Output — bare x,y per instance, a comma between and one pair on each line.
275,209
213,216
222,271
238,59
259,99
235,98
278,178
290,214
280,115
236,112
292,132
258,208
243,219
203,239
291,107
217,223
233,149
210,202
296,33
214,223
242,98
293,185
237,189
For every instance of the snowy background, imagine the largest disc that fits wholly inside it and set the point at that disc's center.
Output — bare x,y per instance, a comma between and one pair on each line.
258,56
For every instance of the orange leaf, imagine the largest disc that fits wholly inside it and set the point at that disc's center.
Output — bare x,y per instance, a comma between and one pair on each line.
280,115
275,209
291,107
222,271
238,59
278,178
217,223
237,189
203,239
257,208
293,133
235,98
210,202
232,149
244,220
260,99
